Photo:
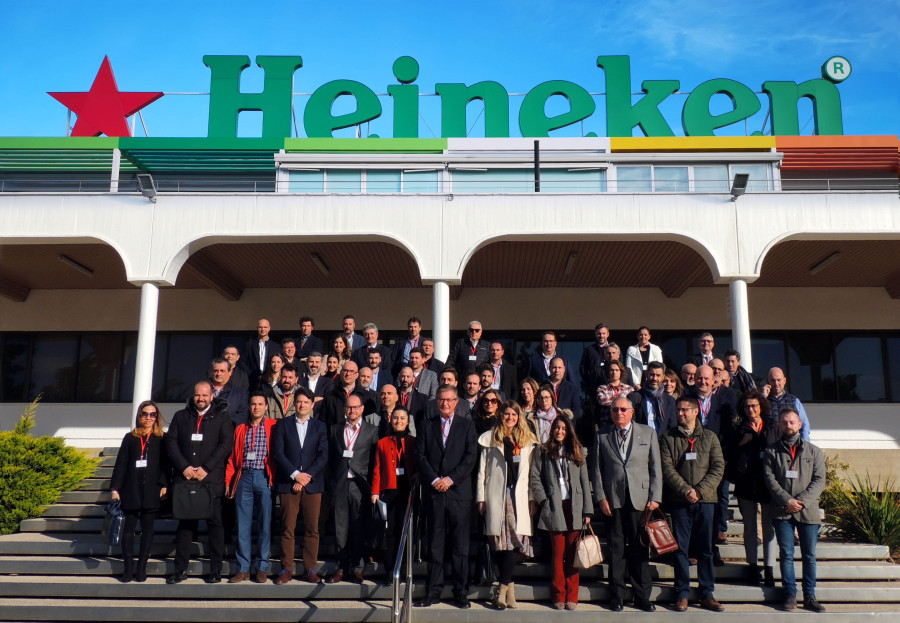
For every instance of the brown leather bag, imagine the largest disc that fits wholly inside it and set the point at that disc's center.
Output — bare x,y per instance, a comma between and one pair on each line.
656,533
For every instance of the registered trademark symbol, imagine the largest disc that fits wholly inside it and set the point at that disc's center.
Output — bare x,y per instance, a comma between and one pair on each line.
836,69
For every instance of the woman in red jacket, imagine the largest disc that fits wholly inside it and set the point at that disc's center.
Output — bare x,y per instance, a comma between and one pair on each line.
394,473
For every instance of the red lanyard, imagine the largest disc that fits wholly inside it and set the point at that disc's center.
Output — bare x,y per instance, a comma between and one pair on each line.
555,392
404,398
252,430
144,446
350,439
474,348
287,405
691,441
793,450
199,421
398,448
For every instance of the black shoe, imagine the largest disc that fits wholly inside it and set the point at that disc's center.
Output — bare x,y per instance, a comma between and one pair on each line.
812,604
213,578
616,605
178,578
754,575
644,604
717,560
769,577
425,602
126,577
462,602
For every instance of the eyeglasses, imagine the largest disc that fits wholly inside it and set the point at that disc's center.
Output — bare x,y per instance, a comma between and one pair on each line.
491,401
353,407
447,399
148,414
620,409
471,330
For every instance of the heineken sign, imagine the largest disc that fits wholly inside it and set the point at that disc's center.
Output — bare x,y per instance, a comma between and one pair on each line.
227,101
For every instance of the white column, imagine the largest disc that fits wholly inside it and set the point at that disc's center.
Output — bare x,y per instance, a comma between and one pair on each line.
114,171
740,322
441,320
146,344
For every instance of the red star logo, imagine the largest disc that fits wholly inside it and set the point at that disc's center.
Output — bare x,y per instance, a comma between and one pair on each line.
104,108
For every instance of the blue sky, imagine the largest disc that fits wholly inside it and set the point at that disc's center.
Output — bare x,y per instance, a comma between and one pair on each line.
159,45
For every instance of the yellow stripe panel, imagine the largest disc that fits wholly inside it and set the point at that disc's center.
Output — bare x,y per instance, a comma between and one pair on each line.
692,143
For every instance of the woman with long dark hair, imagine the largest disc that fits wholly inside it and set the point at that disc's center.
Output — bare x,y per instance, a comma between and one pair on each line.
503,495
486,410
560,486
139,482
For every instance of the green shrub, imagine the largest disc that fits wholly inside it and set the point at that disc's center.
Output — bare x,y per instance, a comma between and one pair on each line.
34,471
866,511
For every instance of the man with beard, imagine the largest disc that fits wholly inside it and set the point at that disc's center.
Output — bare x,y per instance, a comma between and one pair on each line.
652,406
281,405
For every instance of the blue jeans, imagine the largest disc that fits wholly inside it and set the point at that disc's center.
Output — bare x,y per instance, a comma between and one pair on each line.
809,536
253,492
720,517
692,526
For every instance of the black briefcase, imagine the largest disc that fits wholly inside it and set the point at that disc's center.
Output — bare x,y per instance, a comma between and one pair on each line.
113,523
192,500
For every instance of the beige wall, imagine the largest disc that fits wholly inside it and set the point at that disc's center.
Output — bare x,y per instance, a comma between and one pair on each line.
511,309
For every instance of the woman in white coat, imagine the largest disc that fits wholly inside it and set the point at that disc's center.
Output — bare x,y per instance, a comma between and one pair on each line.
638,356
503,494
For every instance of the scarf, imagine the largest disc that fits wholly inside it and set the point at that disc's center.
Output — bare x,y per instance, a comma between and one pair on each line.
545,420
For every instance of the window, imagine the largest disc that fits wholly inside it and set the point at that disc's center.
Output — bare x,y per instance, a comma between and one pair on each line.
634,179
343,181
382,181
671,180
811,367
711,179
54,362
306,182
99,362
860,369
420,181
573,180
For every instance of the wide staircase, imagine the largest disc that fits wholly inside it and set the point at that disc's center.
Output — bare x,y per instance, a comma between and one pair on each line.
57,568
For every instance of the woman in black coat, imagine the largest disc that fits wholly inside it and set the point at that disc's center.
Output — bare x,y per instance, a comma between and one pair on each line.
139,482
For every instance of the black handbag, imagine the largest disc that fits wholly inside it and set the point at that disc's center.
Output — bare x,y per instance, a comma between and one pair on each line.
113,523
192,500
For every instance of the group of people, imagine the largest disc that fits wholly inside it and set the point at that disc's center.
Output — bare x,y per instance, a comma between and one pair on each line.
365,424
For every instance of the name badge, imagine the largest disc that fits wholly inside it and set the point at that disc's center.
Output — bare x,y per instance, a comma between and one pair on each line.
517,458
197,437
690,456
472,358
251,456
401,471
348,454
645,366
791,473
140,463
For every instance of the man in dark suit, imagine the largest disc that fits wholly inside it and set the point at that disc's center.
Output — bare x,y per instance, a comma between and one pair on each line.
469,352
505,377
706,354
239,376
306,341
627,479
651,406
356,340
567,395
333,411
446,451
361,355
234,398
351,458
593,362
381,376
538,366
300,454
258,352
430,363
198,444
313,380
401,348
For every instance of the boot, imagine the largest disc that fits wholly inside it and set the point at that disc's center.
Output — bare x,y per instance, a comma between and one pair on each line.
754,576
500,597
511,595
127,574
769,577
141,575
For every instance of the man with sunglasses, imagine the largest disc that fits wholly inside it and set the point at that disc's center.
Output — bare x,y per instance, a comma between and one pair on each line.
471,351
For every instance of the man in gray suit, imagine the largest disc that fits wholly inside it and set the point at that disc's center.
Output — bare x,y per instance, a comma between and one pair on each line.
627,479
425,381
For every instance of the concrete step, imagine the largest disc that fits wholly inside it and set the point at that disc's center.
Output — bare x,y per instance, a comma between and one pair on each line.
103,471
84,496
91,559
94,484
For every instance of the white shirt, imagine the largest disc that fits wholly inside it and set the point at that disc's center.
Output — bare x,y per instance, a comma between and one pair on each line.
262,354
302,427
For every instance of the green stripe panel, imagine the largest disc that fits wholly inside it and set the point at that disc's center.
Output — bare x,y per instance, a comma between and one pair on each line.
47,142
367,145
202,144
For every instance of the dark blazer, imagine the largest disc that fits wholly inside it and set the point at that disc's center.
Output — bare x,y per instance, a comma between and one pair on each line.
236,401
397,349
211,453
139,487
509,379
568,397
664,406
363,456
435,365
384,378
250,359
719,417
333,411
416,405
455,461
288,455
461,352
322,388
239,377
356,342
535,369
697,358
592,370
361,356
313,344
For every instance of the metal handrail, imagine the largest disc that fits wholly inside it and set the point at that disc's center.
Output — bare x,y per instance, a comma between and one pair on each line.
403,612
